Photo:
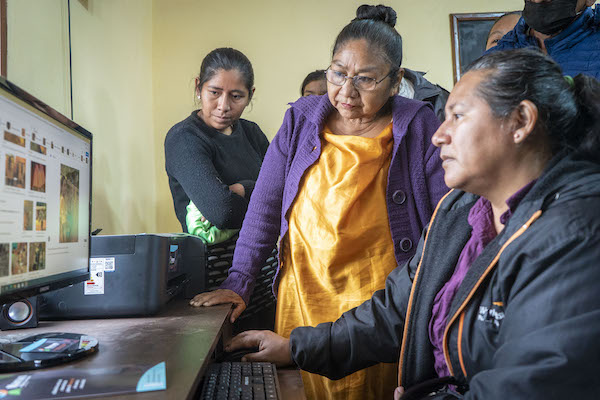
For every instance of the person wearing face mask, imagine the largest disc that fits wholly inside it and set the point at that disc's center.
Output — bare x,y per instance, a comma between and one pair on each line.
567,30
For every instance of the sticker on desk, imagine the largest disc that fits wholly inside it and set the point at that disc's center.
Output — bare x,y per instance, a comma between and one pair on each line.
64,383
87,342
49,345
95,285
153,379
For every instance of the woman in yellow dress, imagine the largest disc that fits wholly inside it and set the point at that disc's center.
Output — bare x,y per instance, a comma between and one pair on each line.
348,183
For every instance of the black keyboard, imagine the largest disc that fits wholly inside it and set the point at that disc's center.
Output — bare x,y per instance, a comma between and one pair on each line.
241,381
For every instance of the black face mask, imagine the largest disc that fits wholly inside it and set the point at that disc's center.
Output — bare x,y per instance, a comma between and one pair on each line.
549,17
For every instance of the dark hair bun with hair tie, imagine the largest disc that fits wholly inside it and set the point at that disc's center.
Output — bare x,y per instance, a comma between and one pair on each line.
377,13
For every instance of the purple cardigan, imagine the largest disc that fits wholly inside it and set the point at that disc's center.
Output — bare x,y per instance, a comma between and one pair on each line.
415,183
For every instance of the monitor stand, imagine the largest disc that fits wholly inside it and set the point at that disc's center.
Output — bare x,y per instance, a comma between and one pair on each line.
45,350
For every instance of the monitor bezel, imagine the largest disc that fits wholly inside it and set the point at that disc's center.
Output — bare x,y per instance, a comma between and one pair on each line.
71,277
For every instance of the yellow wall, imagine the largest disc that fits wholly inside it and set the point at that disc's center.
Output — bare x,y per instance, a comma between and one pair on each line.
284,40
112,97
38,49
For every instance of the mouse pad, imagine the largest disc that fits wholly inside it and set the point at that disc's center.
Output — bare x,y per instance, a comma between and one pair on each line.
70,383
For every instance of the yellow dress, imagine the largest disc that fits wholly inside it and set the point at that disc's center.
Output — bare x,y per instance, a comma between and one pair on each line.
338,251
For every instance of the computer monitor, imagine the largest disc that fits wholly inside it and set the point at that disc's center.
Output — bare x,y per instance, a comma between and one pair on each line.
45,208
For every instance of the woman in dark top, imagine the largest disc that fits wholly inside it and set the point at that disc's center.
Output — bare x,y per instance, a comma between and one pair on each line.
213,156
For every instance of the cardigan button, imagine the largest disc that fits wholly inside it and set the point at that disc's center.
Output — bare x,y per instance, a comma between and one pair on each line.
399,197
405,245
314,148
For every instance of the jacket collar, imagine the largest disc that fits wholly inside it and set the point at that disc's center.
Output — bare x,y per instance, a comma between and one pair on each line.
589,20
423,88
564,177
314,108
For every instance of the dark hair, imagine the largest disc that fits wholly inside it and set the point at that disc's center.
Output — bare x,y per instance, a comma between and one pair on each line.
227,59
375,24
316,75
568,108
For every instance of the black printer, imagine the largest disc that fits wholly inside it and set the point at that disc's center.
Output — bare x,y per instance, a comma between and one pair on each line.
132,275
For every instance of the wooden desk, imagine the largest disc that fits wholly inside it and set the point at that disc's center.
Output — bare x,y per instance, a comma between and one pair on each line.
182,336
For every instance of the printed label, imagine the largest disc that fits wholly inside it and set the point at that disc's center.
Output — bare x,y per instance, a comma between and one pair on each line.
95,285
107,264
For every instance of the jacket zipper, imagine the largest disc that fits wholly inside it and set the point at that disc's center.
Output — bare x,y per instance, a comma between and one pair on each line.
462,307
412,292
461,324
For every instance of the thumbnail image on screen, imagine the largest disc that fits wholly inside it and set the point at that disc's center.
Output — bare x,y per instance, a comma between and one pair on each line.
38,177
69,204
37,256
15,171
40,216
4,258
27,215
11,137
19,258
38,148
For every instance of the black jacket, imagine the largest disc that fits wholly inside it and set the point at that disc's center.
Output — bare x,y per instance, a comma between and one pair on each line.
524,324
429,92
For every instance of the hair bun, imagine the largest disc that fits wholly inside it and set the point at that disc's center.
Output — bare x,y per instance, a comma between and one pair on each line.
377,13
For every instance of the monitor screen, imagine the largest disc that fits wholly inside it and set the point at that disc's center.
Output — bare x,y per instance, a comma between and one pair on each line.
45,172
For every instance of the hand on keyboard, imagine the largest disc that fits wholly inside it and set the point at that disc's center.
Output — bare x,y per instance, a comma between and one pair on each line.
236,355
271,347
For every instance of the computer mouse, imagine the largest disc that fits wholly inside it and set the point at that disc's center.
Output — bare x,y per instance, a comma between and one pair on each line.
236,355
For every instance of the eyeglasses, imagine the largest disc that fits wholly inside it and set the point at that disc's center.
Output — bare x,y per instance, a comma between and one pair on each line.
360,82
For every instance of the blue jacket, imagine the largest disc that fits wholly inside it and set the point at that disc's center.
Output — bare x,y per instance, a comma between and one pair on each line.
576,49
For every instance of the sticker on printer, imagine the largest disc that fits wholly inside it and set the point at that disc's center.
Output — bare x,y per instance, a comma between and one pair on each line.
107,264
95,285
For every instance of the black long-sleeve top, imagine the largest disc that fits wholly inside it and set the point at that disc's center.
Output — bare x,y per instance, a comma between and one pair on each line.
202,162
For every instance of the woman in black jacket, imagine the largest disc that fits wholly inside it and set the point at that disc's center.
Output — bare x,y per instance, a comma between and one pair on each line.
501,299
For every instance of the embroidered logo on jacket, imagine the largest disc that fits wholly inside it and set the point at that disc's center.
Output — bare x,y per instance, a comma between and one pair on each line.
493,315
